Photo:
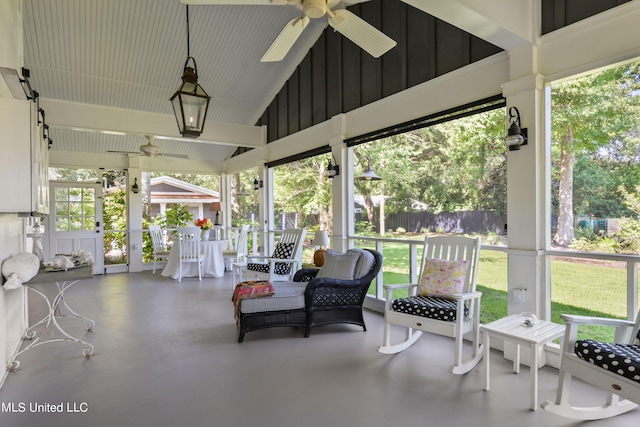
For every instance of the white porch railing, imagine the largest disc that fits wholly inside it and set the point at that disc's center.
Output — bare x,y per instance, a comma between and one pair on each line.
631,262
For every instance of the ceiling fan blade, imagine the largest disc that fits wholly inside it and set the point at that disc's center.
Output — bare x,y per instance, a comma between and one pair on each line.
285,40
359,31
238,2
176,156
124,152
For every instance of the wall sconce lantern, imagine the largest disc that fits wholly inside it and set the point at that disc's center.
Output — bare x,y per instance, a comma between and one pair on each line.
134,188
368,174
190,102
215,207
257,184
333,170
516,137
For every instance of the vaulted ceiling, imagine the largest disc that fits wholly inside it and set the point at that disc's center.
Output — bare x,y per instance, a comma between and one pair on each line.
123,59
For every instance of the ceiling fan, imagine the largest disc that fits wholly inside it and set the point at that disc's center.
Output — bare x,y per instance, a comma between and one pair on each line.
350,25
150,150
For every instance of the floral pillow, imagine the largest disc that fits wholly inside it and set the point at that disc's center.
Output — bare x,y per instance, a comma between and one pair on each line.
443,278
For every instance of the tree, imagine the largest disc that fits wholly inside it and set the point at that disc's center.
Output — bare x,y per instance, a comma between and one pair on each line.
301,187
447,167
588,114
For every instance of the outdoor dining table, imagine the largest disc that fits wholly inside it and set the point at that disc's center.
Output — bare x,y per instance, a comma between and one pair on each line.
212,266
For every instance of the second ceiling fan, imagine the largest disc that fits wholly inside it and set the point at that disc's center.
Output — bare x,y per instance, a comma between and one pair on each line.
350,25
149,150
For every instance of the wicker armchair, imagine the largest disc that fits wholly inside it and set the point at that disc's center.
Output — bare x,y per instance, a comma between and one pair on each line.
310,301
330,300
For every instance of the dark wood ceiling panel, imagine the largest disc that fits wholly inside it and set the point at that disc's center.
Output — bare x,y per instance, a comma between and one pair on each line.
371,78
481,49
334,73
394,62
452,50
421,44
306,98
272,124
560,13
283,116
351,76
293,90
319,80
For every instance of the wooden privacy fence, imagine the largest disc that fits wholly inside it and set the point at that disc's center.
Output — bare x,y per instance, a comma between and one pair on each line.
449,222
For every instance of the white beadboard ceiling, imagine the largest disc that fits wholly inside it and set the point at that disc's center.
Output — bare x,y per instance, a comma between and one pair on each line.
130,54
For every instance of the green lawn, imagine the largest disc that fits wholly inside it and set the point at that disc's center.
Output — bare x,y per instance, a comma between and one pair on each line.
577,288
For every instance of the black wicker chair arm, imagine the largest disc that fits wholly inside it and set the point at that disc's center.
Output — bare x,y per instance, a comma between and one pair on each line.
305,274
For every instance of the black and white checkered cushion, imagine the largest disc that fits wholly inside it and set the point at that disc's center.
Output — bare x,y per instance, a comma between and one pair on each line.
282,251
431,307
621,359
259,267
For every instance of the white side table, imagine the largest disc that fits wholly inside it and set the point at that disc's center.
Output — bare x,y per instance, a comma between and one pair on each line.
512,329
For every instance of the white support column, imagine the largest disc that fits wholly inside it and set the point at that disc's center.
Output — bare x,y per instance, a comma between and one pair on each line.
134,212
527,199
224,184
342,204
266,208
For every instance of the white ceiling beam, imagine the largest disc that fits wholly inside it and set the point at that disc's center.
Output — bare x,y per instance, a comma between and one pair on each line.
504,23
97,118
75,159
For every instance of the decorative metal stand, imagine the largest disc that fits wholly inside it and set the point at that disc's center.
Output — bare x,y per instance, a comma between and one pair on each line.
36,333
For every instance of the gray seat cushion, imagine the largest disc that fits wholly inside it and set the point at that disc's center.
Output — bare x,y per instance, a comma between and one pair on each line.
288,296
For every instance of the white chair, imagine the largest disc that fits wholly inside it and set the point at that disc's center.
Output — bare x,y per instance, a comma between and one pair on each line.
160,249
452,312
189,249
283,263
239,252
615,368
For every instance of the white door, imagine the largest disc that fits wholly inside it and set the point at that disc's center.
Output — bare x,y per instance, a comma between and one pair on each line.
75,220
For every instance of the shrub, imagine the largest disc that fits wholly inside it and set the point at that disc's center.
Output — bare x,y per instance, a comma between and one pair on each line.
364,227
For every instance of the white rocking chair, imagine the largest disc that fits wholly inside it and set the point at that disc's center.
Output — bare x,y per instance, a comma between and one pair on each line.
283,263
452,314
614,368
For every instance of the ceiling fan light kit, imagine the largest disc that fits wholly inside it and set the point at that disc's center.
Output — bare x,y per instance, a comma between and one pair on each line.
314,8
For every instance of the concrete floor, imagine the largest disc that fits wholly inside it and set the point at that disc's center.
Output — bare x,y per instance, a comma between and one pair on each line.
167,355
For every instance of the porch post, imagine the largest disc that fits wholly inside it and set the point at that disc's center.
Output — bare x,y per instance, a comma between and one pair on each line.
340,215
527,199
134,221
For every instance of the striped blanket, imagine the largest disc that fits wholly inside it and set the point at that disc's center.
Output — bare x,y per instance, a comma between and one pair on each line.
252,289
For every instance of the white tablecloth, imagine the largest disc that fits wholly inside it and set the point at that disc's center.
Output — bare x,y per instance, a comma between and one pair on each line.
213,265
